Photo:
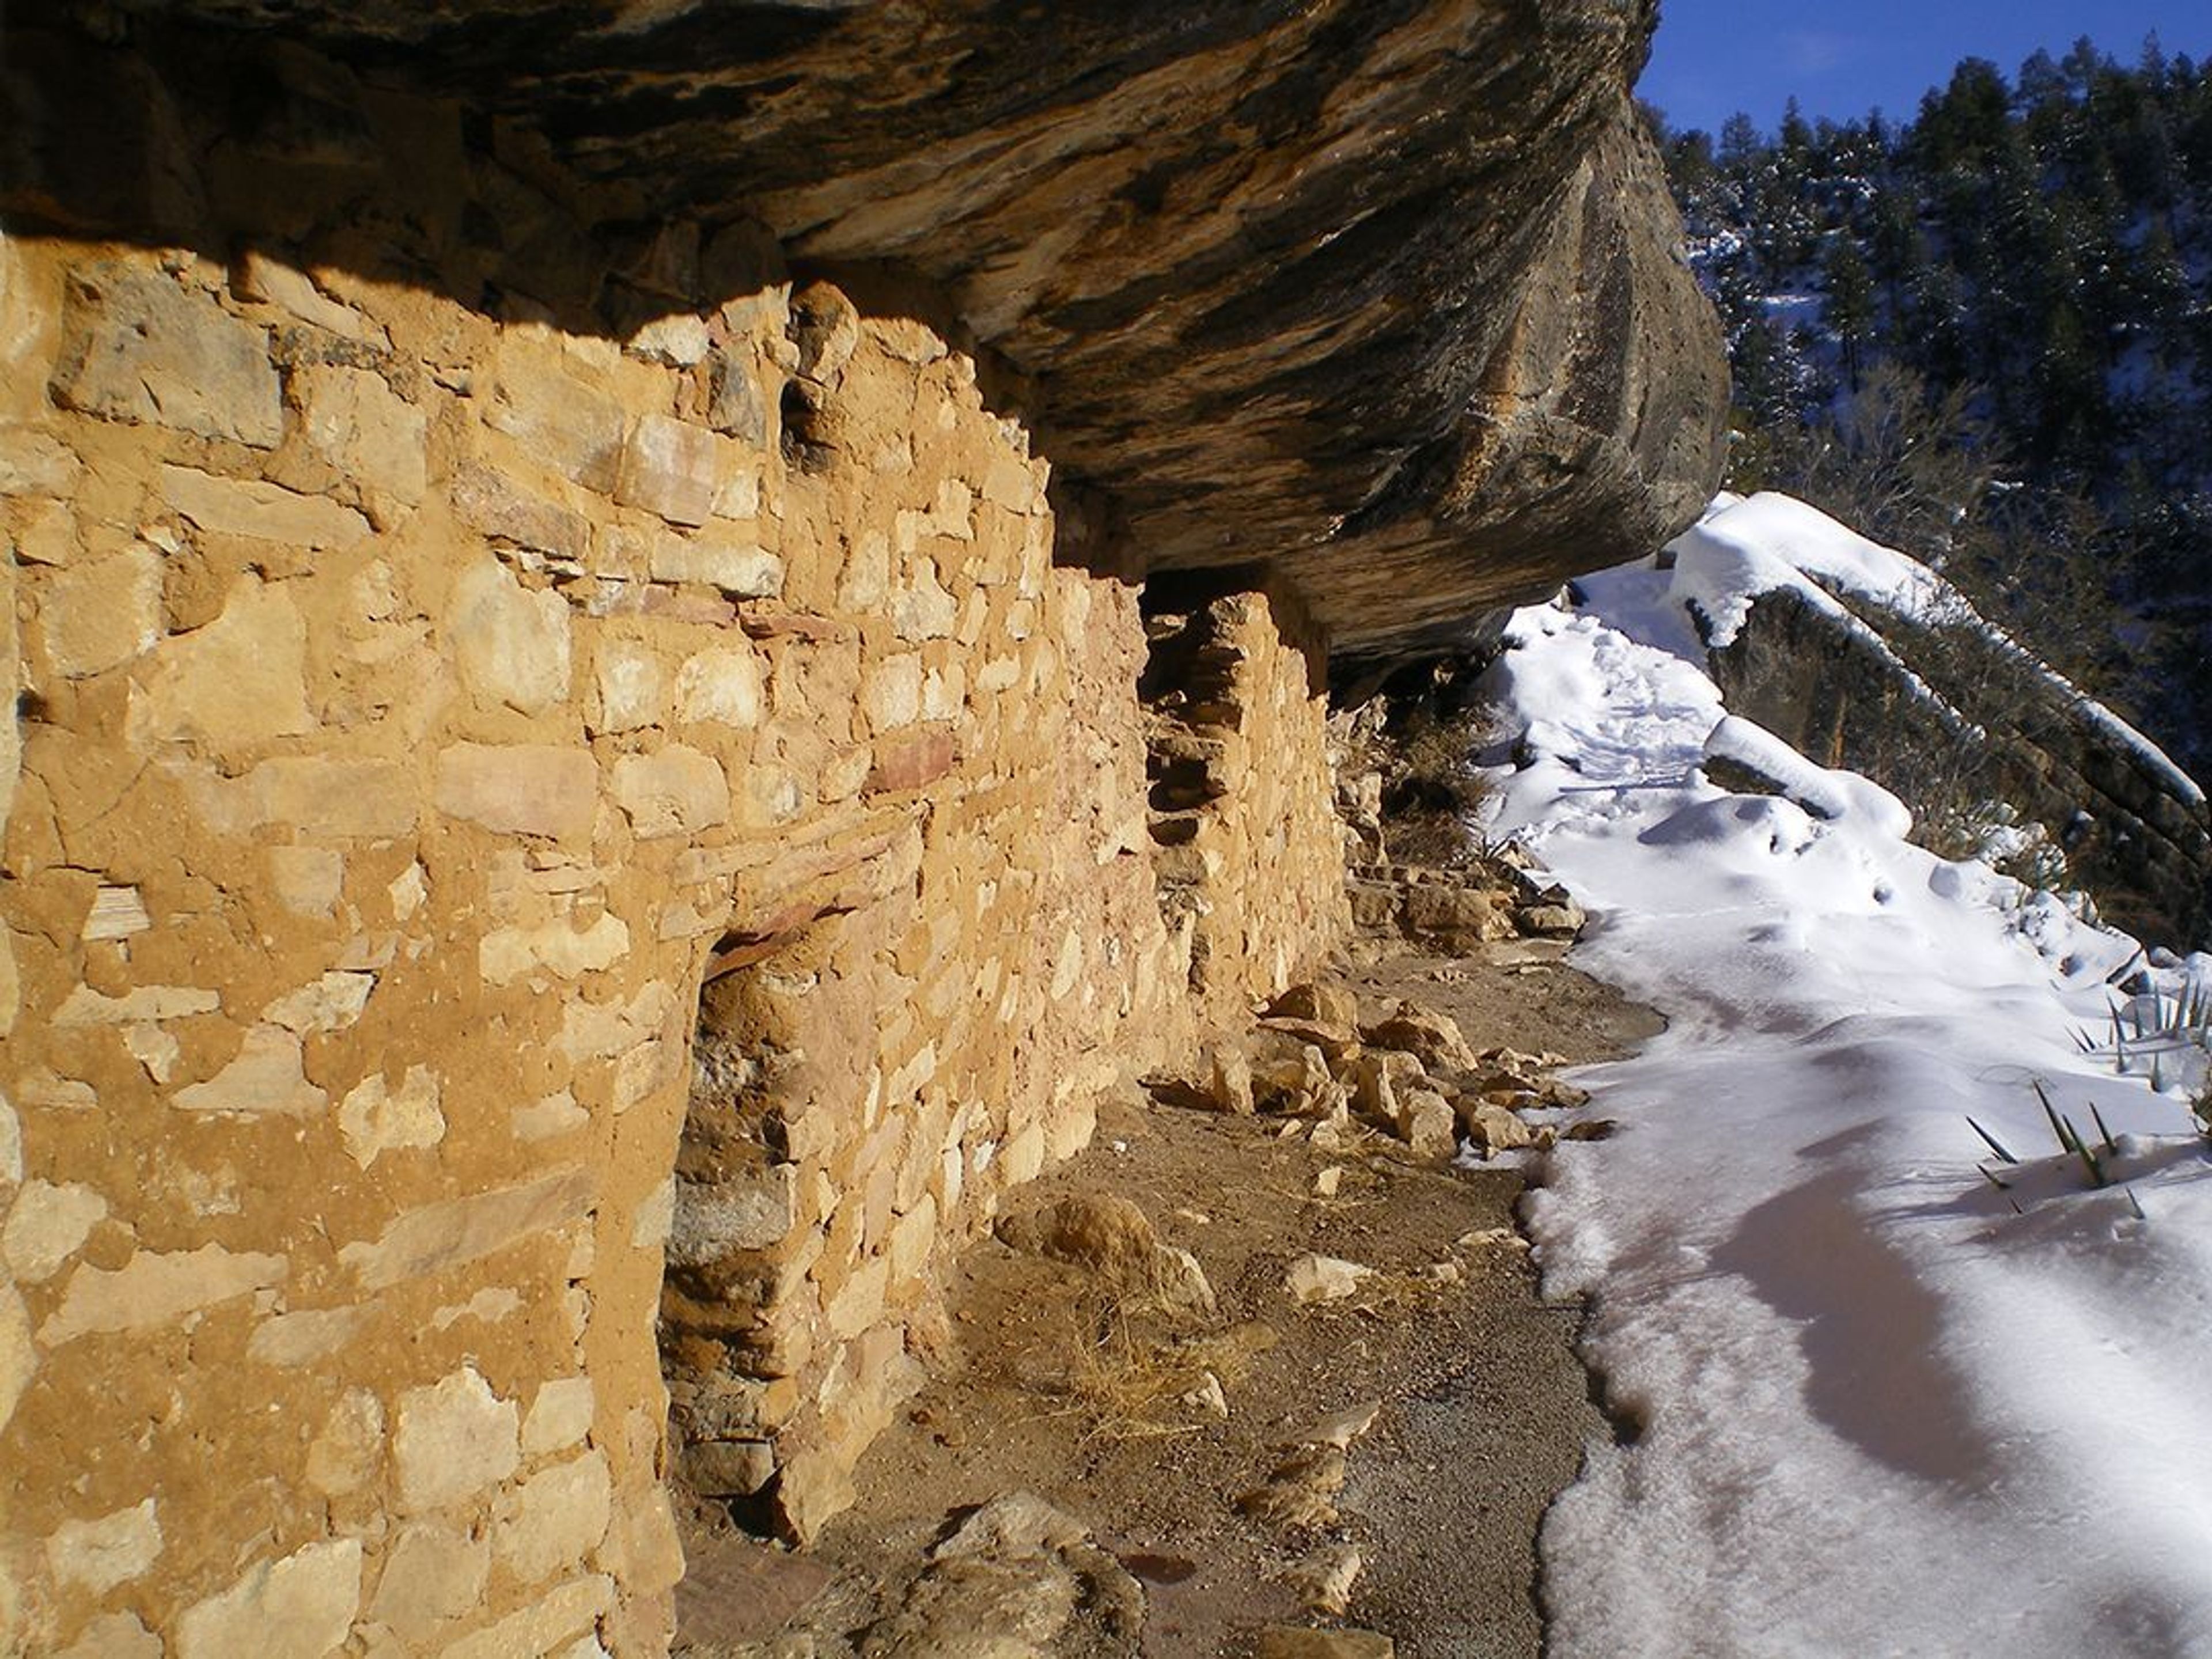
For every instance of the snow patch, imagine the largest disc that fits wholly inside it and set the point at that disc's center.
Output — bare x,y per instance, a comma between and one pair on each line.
1884,1413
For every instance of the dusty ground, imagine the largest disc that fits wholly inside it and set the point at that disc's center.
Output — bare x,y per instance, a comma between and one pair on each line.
1063,1389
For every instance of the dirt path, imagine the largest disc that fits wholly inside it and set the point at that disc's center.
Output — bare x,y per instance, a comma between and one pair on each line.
1205,1528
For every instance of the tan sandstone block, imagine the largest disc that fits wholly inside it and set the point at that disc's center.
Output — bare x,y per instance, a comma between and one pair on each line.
346,1453
366,799
739,496
628,693
648,1229
725,686
453,1440
557,1114
116,913
432,1573
98,1555
642,1546
560,1417
671,791
154,1288
300,1608
559,419
500,509
528,789
114,1636
376,1117
438,1237
891,695
642,1071
36,464
329,1002
922,610
1010,482
669,467
1022,1160
306,880
944,692
293,1339
859,1302
356,423
47,532
914,1240
678,341
264,511
238,682
140,347
593,1031
512,644
738,566
48,1225
866,579
407,891
99,614
267,1079
554,1519
257,276
558,947
19,1360
543,1626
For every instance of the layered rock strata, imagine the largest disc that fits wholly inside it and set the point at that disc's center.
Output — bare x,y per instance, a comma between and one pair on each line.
1387,291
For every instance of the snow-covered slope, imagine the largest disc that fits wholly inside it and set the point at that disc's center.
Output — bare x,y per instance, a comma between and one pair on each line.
1875,1404
1869,659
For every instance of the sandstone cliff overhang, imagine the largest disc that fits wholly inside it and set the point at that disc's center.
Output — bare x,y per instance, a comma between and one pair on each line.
1384,292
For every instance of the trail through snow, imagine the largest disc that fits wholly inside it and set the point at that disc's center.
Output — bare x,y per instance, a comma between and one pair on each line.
1879,1410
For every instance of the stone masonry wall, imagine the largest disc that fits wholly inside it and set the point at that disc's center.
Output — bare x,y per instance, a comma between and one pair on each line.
1251,849
419,706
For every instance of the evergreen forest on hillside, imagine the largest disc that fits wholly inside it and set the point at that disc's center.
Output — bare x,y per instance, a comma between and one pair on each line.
1984,335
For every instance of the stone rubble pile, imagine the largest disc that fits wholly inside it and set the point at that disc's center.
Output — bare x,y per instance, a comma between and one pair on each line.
1331,1069
1503,896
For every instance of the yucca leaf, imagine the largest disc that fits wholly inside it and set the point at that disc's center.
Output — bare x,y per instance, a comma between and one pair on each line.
2092,1165
2110,1145
1991,1141
2051,1114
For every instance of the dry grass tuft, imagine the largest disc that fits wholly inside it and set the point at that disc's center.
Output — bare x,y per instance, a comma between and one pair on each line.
1432,794
1133,1376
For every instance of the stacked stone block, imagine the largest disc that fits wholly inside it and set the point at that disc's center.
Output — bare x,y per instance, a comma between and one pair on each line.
443,699
1250,847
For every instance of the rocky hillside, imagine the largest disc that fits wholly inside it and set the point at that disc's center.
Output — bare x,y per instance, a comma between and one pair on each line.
1862,659
1979,334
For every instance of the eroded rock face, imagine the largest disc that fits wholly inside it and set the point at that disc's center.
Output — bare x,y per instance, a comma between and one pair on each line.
1385,291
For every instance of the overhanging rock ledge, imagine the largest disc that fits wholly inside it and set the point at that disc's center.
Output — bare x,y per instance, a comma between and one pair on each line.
656,647
1385,292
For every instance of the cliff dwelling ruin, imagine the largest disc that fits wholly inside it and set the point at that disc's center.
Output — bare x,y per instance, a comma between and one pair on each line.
583,794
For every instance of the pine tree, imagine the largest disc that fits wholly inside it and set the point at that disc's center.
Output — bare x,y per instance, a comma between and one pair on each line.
2040,253
1850,301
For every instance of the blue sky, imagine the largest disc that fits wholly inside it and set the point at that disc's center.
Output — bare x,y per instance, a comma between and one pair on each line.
1715,56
